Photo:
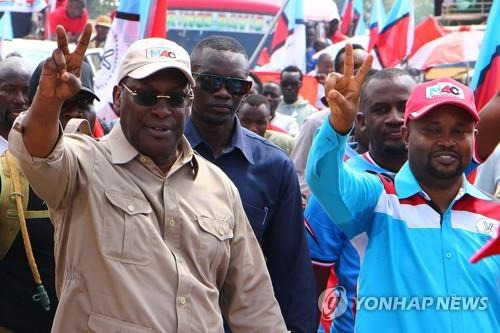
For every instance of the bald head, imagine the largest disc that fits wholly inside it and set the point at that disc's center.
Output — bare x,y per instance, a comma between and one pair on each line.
15,73
14,64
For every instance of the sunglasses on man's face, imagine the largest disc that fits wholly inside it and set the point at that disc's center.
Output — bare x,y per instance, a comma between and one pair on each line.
151,98
212,83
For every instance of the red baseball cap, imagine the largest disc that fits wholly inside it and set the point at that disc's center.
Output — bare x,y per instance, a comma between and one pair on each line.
429,95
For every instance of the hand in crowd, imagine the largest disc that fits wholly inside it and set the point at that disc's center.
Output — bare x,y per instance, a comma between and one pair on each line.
60,75
343,91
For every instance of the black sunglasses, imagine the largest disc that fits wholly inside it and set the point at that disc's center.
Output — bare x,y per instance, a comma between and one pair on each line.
212,83
150,98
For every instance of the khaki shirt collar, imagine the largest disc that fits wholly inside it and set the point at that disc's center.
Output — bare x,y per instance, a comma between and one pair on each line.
123,152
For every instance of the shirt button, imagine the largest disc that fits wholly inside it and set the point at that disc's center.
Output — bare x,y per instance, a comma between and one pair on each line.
130,208
172,222
221,231
448,255
142,159
182,300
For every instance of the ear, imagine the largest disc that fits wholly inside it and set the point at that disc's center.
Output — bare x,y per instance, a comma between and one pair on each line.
405,133
117,94
360,121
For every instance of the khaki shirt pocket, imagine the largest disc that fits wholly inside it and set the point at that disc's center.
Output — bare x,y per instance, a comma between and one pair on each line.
126,230
214,242
103,324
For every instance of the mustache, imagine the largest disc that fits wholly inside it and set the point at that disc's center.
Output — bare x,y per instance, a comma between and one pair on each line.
446,152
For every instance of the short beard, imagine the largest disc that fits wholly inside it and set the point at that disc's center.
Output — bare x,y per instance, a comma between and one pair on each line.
396,149
445,175
7,120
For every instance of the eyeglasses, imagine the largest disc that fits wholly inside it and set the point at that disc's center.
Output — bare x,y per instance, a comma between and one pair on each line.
212,83
151,98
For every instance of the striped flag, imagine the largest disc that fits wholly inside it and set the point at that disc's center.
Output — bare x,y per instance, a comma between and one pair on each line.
156,24
289,42
6,32
377,21
359,19
347,16
486,79
395,40
353,22
134,20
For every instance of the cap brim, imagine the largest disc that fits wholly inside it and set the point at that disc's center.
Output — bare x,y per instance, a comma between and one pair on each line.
149,69
91,92
425,110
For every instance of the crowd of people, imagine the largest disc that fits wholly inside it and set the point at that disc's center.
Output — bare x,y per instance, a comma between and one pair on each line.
220,203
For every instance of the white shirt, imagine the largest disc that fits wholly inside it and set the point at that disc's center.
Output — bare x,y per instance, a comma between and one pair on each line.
287,123
4,144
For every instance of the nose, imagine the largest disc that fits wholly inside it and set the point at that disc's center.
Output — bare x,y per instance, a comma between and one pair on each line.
394,117
21,98
447,140
223,92
161,109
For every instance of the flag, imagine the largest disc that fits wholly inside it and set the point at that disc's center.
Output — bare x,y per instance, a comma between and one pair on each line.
6,32
289,42
395,40
347,17
134,20
486,79
22,6
359,19
425,32
156,24
377,21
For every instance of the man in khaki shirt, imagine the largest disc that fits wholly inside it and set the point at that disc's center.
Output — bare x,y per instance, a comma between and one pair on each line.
149,237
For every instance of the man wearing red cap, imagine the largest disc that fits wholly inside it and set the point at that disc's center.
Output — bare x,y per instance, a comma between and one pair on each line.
424,225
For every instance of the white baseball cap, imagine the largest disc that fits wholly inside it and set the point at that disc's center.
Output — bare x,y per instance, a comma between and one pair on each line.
148,56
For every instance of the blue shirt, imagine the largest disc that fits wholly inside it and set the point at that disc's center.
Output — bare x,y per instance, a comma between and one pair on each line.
416,275
330,247
269,190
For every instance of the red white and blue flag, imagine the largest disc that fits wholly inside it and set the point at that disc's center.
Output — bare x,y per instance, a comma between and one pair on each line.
486,79
377,21
289,42
352,15
395,39
134,20
156,23
346,15
359,27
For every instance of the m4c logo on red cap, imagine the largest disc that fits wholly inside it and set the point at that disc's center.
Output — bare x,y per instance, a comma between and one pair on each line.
159,52
442,89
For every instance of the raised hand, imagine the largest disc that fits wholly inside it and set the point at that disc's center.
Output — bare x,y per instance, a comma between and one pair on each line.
343,91
60,78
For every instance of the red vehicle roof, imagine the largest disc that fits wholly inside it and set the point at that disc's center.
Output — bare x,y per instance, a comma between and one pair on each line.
247,6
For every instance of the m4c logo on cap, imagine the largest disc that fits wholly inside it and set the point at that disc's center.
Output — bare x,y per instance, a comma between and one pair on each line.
444,90
159,52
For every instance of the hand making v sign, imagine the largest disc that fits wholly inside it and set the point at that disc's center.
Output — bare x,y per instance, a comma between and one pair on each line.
343,92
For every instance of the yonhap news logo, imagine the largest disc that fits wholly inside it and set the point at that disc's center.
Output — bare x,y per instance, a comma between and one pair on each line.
332,303
440,303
